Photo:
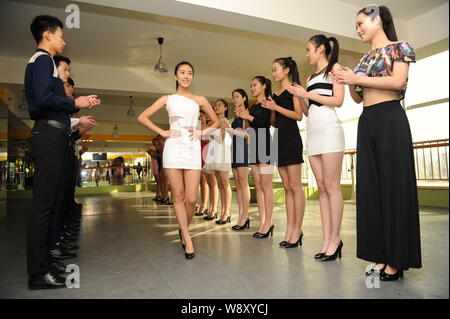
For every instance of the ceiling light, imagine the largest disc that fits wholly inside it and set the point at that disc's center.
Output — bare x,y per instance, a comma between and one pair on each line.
159,67
130,111
115,132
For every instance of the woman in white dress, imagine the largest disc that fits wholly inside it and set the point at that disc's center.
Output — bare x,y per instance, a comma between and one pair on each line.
325,137
219,152
182,151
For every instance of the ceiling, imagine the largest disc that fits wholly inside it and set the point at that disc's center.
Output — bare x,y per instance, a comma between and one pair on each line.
404,10
127,39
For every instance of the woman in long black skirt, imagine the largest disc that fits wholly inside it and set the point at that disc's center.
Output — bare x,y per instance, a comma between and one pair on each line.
388,230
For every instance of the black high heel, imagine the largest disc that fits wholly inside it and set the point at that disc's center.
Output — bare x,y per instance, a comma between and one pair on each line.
223,222
337,253
296,244
282,243
181,240
246,225
203,213
256,234
319,256
373,270
391,277
261,235
207,217
189,255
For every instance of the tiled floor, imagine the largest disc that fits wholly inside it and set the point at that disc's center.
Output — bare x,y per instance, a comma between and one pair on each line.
130,249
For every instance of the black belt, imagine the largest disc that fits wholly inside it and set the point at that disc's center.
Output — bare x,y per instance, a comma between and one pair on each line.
54,123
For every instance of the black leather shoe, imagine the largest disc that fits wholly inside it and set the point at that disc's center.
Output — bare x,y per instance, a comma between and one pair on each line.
207,217
319,256
202,213
388,277
296,244
48,281
189,256
68,234
62,254
246,225
223,222
373,270
269,232
337,253
66,246
58,267
282,243
255,234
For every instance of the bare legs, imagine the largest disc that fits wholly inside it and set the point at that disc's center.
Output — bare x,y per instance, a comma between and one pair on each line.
204,190
327,171
242,193
225,193
294,199
262,175
213,193
184,187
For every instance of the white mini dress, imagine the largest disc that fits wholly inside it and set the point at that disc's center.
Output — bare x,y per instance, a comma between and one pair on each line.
183,152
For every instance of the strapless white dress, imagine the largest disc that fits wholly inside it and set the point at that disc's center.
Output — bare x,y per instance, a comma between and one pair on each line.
182,152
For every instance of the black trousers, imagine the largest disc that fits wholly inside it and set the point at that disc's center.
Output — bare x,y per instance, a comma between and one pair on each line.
48,147
387,210
71,185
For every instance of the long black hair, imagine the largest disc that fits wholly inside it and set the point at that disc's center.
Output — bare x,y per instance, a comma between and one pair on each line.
265,81
331,53
226,105
288,62
244,95
179,65
386,19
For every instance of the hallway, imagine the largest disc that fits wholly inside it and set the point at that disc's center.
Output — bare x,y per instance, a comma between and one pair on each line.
129,248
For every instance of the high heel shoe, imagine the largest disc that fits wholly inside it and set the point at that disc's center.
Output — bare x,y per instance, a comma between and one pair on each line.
391,277
319,256
256,234
189,255
296,244
282,243
337,253
203,213
246,225
223,222
373,270
207,217
270,231
181,240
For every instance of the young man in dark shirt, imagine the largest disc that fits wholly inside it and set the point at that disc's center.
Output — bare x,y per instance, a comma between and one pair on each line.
50,139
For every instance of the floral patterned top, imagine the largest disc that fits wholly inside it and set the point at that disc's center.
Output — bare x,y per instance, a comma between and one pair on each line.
379,62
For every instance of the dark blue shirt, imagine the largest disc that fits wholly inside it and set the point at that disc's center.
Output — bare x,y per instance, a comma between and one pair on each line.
45,93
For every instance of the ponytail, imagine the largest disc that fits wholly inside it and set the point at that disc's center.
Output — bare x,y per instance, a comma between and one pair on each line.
386,20
332,53
293,69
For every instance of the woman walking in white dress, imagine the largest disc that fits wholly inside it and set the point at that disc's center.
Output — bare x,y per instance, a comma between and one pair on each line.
182,152
325,138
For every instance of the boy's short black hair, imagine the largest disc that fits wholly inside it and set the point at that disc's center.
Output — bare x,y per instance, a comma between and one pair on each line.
59,58
44,23
70,81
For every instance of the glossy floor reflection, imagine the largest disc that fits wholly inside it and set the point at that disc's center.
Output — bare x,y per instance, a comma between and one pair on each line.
130,249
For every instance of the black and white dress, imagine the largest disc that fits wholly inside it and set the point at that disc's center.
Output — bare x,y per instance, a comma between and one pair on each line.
324,130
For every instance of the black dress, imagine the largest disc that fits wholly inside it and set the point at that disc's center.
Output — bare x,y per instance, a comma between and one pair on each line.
261,129
287,133
239,146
